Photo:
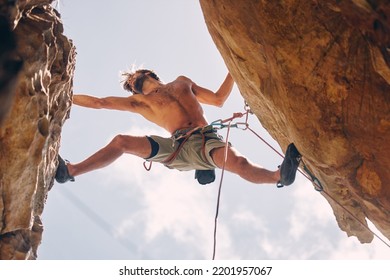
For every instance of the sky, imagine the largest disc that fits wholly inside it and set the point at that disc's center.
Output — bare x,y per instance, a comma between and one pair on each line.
126,212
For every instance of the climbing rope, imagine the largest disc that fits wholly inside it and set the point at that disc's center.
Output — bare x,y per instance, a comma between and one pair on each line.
219,124
220,186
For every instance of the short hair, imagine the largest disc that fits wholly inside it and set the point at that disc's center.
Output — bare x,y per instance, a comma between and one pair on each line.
130,83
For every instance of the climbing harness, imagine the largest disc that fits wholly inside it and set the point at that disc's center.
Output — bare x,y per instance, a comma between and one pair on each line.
182,136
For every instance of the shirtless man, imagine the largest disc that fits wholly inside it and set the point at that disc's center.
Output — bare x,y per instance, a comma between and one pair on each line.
175,107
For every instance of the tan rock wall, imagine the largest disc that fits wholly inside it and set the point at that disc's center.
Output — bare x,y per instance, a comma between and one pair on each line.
316,73
30,135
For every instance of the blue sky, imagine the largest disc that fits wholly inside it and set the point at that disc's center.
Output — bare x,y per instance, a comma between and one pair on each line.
125,212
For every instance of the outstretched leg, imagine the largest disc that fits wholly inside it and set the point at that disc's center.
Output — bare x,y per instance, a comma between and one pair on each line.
241,166
138,146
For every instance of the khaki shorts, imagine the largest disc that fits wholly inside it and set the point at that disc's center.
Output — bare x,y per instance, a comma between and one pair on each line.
190,156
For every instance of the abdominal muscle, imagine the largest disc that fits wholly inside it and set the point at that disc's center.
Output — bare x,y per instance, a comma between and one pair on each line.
175,121
175,116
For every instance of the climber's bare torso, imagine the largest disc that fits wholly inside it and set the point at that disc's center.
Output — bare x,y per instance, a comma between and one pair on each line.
172,106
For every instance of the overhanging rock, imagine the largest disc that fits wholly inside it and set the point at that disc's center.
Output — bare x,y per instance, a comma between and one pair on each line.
316,73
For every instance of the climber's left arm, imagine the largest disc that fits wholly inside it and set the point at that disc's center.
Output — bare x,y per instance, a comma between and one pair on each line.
217,98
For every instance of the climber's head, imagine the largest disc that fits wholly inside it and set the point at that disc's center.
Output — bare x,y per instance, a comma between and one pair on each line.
134,81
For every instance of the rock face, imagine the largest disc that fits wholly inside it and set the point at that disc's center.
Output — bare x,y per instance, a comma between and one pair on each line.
317,73
39,62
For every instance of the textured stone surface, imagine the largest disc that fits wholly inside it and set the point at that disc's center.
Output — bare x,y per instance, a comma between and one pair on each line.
10,66
30,132
317,73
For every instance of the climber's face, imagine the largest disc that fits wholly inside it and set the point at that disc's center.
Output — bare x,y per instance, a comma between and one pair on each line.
135,81
139,82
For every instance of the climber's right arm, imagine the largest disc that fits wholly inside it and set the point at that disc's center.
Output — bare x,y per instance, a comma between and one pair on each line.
132,103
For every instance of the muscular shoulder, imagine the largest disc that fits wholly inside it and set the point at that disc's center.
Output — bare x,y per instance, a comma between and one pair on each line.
184,79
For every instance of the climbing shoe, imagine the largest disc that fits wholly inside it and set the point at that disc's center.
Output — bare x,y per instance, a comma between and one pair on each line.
289,166
62,173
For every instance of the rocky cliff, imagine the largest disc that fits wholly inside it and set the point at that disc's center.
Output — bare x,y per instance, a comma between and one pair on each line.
36,69
317,73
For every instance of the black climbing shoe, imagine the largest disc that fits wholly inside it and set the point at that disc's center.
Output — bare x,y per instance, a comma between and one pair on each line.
62,174
289,166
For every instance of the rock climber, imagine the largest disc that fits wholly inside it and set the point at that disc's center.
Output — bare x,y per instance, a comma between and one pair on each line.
174,106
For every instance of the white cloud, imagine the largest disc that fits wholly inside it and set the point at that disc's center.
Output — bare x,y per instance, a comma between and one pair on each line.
351,248
245,216
310,209
313,216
